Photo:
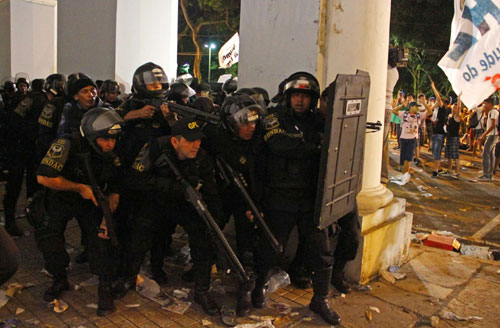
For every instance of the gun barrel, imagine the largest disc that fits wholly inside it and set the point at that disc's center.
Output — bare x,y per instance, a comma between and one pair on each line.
200,115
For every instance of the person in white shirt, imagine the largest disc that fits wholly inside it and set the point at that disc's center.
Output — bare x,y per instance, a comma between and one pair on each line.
490,138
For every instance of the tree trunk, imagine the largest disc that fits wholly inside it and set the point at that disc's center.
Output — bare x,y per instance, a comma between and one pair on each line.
194,37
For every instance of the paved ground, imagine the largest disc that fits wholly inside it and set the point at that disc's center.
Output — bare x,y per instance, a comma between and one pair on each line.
456,205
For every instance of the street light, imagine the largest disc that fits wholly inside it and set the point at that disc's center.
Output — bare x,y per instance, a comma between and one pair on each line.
210,47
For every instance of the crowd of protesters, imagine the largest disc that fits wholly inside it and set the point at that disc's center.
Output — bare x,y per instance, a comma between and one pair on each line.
445,126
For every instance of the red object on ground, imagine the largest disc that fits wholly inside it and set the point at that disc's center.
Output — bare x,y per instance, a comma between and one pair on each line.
442,242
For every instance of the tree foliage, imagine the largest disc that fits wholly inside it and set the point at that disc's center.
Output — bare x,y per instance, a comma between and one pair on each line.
205,21
424,27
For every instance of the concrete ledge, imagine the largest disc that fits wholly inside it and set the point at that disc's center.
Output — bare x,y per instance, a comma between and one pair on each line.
385,240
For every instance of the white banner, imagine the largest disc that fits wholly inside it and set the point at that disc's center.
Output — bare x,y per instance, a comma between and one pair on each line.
229,53
472,62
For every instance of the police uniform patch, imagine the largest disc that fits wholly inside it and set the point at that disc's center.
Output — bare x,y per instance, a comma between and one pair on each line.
117,161
243,160
23,107
271,122
55,151
48,111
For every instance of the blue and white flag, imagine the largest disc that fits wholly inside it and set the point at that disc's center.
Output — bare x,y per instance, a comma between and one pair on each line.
472,62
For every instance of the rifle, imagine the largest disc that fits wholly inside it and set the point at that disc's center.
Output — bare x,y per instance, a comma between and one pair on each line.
186,111
227,171
196,200
102,200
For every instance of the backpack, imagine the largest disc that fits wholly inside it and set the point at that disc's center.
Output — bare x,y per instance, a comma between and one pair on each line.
474,121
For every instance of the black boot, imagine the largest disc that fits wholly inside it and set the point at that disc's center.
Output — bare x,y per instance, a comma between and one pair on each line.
244,304
105,304
83,257
300,281
201,293
319,303
259,293
338,280
59,285
12,227
122,286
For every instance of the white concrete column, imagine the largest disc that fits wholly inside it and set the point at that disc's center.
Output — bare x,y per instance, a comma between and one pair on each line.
357,37
146,30
110,39
28,37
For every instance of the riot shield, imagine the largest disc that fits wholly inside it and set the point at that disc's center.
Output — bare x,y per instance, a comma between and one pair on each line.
341,165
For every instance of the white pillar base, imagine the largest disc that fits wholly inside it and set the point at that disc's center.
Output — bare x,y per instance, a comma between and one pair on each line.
385,241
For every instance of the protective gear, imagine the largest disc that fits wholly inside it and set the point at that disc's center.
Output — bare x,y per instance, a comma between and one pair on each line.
259,293
263,92
319,303
230,86
9,86
149,73
54,83
22,77
338,280
59,285
255,95
178,91
76,82
302,82
100,122
244,303
109,86
238,110
37,85
105,304
187,79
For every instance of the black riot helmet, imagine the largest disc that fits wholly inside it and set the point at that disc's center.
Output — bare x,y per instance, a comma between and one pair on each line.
263,92
230,86
238,110
100,122
302,82
54,83
178,91
109,86
150,73
22,77
255,95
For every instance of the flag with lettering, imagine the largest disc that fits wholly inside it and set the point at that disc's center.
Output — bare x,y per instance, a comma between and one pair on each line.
229,53
472,62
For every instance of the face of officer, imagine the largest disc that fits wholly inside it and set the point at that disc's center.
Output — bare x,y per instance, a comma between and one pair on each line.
110,96
184,148
300,102
245,131
86,97
106,144
154,86
22,88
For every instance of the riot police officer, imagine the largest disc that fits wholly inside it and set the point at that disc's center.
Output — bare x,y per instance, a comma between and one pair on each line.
109,93
21,150
292,140
147,117
49,118
164,200
237,143
66,170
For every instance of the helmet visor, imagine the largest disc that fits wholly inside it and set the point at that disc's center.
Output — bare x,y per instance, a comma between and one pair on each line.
156,75
302,85
109,123
247,115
